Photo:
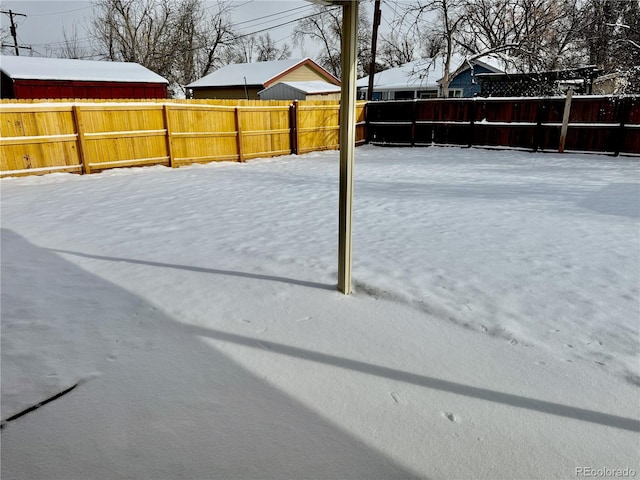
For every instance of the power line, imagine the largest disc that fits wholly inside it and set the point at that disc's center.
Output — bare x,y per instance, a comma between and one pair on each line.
274,14
276,26
59,13
237,37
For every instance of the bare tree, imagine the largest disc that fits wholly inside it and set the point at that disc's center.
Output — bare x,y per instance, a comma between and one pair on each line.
252,48
536,34
611,35
178,39
267,49
437,23
72,47
324,28
397,48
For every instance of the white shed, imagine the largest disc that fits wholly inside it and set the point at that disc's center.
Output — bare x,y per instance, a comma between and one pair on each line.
311,90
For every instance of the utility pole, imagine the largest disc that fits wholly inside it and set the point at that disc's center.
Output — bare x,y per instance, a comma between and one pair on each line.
374,42
13,28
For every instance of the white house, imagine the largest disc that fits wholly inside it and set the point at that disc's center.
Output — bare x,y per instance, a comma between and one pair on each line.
422,78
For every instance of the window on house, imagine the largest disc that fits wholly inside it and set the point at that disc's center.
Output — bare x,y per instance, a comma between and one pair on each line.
428,94
455,92
406,95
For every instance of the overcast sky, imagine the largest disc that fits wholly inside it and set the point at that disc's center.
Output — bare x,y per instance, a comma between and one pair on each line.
46,20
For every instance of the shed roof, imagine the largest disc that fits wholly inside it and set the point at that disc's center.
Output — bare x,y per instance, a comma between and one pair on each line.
256,74
310,87
37,68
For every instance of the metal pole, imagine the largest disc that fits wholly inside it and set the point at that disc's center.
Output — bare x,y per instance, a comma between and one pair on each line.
347,141
374,43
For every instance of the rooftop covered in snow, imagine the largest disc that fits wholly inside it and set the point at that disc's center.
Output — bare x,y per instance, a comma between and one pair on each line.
260,73
310,87
427,73
37,68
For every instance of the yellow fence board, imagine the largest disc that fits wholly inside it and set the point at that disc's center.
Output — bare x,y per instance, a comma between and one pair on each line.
83,136
48,138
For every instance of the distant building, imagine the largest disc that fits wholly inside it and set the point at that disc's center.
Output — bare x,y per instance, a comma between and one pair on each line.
245,80
422,79
312,90
34,77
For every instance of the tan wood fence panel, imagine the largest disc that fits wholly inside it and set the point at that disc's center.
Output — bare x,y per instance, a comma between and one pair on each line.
39,137
123,135
39,140
264,131
201,134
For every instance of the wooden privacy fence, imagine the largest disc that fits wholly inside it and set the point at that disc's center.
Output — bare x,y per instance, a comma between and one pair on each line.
587,124
81,137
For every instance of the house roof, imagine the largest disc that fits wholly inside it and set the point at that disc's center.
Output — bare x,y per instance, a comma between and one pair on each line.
425,73
256,74
310,87
37,68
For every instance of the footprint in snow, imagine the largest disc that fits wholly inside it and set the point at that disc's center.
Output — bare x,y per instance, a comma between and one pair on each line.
450,416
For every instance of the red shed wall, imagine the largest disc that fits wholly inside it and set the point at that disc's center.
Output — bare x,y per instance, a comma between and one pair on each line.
26,89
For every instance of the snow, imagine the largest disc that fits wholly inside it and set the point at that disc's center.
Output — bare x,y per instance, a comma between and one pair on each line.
259,73
426,73
310,87
493,332
80,70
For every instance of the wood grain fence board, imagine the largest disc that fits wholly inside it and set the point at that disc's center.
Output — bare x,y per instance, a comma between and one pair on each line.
529,123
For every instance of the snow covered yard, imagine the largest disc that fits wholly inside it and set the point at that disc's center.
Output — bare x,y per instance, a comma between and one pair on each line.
493,332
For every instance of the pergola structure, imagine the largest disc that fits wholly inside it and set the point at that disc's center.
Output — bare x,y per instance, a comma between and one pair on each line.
347,136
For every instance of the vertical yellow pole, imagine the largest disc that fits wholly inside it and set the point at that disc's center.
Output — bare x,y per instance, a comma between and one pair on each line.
347,141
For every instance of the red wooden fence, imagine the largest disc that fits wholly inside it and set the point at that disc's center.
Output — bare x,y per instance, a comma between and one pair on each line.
595,123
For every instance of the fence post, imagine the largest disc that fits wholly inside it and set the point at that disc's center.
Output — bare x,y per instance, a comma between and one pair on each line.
414,115
293,126
565,120
366,123
623,105
167,127
238,134
80,140
537,134
472,120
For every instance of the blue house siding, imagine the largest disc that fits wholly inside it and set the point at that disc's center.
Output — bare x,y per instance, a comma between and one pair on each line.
465,81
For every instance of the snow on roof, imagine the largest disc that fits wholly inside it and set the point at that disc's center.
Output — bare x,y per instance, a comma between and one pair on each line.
259,73
251,73
309,87
425,73
83,70
418,74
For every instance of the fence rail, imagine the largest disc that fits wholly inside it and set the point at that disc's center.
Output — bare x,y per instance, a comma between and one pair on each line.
84,137
591,123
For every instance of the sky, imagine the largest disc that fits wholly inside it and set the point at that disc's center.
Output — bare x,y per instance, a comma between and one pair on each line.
46,21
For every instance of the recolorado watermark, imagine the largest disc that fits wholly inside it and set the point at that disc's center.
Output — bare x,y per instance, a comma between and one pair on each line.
604,472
